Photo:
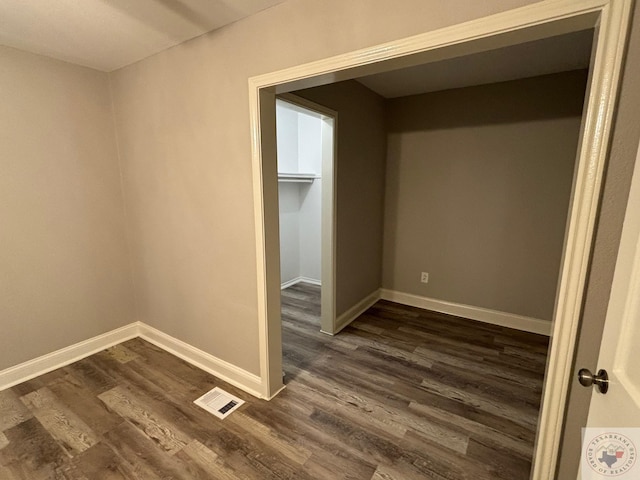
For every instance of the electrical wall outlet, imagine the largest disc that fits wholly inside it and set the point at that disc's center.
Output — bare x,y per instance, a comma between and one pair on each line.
424,278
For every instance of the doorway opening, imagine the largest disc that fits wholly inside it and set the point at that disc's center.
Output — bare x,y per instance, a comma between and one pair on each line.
306,151
537,21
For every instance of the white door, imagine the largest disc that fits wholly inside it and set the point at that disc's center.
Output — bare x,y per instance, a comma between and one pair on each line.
619,355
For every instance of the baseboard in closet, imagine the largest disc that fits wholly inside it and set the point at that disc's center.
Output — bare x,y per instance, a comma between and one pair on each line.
355,311
494,317
291,283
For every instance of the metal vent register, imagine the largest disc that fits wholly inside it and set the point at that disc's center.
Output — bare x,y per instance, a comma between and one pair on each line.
219,402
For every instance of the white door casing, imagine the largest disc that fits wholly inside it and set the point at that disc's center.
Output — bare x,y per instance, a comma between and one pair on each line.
620,347
619,408
544,19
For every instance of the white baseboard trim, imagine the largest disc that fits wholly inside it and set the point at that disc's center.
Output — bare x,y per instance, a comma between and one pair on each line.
354,312
51,361
291,283
503,319
236,376
242,379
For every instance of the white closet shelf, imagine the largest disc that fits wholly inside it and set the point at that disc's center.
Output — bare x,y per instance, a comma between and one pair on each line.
297,177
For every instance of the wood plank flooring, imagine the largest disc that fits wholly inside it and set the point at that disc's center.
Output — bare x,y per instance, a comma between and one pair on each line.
400,394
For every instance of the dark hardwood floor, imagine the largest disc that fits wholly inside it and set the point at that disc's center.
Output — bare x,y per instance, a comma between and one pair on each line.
400,394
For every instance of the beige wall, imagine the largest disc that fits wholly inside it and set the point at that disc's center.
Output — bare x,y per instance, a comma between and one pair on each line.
478,187
183,127
360,171
65,275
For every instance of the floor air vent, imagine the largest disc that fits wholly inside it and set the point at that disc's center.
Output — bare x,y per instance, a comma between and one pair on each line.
219,402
